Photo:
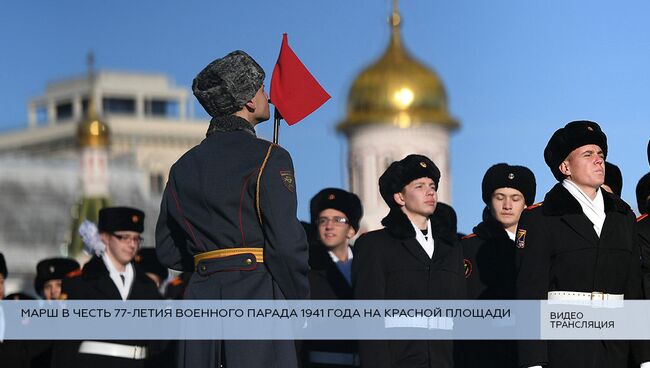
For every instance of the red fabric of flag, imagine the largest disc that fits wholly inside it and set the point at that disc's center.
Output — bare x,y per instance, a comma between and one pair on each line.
294,91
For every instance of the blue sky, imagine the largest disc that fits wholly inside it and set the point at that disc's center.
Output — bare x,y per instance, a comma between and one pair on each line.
514,71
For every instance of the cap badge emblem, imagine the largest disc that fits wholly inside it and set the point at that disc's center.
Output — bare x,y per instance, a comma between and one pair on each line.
511,176
51,269
423,164
331,197
135,218
590,129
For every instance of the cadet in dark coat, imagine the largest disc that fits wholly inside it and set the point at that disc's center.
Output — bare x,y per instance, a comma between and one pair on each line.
580,240
111,276
50,274
229,209
416,256
13,351
49,278
490,256
643,226
336,214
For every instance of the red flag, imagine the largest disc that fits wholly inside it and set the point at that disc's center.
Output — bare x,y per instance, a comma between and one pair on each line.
294,91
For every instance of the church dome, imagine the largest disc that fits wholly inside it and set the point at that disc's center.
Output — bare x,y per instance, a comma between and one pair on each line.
92,131
397,90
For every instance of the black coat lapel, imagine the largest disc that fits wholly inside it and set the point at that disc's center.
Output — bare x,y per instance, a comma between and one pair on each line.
581,225
96,273
105,286
415,248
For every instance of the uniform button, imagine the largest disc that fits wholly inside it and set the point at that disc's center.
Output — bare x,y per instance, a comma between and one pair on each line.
248,261
203,268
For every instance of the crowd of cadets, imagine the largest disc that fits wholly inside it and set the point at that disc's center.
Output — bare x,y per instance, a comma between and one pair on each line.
580,238
228,220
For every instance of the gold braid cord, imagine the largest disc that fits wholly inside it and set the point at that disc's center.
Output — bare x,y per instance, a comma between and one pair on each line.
259,179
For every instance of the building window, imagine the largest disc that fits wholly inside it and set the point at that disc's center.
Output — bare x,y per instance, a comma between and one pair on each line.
122,106
64,111
41,115
161,108
156,183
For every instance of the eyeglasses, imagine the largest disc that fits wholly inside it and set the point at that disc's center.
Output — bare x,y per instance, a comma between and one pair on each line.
336,220
137,239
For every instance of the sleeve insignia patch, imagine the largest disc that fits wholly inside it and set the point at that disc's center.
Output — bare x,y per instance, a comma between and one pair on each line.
288,180
520,240
467,265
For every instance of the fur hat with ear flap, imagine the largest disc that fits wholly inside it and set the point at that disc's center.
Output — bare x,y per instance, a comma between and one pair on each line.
337,199
574,135
400,173
226,84
507,176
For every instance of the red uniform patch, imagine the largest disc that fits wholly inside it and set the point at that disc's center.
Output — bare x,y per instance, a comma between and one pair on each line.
468,236
638,219
74,273
534,205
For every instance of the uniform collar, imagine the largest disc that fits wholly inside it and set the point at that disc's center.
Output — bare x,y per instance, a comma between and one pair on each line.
230,123
490,228
400,227
558,201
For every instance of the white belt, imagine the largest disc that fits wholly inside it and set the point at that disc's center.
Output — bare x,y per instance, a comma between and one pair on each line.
575,295
327,357
594,299
431,323
114,350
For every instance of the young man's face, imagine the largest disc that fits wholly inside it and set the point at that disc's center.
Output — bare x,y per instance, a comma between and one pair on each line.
585,166
506,206
261,104
52,289
418,197
122,246
332,233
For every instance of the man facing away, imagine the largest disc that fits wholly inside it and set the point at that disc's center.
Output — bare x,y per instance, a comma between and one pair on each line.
229,213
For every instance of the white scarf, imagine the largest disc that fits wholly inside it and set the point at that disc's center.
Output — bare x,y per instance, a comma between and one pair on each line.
594,210
123,287
425,242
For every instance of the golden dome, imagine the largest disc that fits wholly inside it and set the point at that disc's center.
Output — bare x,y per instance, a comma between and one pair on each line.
92,132
397,90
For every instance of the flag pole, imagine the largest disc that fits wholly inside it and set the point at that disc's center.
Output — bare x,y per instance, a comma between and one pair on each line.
276,124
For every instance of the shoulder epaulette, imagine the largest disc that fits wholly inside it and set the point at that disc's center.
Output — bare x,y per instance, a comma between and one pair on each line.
638,219
76,273
534,205
176,281
468,236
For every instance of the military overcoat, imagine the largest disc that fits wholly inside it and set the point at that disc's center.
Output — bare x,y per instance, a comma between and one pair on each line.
95,283
391,264
559,250
235,190
489,261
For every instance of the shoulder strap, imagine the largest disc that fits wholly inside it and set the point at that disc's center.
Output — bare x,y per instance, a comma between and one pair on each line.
257,188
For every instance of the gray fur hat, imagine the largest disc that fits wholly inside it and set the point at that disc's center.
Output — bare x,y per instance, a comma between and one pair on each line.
225,85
